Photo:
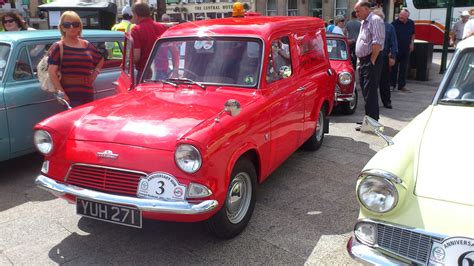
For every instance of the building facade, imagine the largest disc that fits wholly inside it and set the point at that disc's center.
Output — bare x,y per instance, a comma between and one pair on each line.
190,10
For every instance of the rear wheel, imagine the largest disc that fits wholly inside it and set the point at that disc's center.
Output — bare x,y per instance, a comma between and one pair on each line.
316,140
349,108
237,210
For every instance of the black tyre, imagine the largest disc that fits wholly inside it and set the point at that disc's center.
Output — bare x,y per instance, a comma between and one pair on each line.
238,207
316,140
349,108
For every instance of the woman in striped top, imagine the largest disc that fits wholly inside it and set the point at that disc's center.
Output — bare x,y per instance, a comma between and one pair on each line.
74,73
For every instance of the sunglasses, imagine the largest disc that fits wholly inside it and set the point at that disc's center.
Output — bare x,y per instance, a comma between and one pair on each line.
8,21
73,24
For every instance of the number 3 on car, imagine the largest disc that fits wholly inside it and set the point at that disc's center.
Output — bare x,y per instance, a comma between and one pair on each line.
190,140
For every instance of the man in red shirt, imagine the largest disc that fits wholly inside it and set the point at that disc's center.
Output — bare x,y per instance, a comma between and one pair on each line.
144,34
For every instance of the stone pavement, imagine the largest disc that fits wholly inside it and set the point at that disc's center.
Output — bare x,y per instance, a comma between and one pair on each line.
304,214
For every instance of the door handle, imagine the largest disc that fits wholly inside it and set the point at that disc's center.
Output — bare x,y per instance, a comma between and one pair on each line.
115,83
300,88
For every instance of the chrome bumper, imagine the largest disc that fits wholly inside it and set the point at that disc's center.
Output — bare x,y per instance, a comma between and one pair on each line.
146,205
370,255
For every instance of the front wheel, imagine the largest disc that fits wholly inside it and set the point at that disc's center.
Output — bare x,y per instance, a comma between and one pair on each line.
316,140
237,210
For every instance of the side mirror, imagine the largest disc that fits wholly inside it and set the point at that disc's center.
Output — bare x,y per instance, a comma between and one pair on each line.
371,125
232,107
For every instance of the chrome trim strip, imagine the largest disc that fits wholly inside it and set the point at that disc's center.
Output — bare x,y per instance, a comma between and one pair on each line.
2,109
363,253
104,167
147,205
28,104
104,90
381,173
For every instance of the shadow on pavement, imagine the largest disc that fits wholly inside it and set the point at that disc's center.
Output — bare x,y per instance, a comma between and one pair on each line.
17,181
312,194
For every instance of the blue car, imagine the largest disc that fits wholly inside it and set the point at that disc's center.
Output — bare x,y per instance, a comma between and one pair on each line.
22,102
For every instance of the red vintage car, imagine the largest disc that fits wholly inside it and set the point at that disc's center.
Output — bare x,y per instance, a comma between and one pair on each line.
221,104
340,58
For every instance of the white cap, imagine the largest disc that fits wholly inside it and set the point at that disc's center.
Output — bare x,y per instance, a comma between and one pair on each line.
127,10
465,13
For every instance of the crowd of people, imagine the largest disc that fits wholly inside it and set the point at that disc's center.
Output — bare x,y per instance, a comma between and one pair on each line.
383,50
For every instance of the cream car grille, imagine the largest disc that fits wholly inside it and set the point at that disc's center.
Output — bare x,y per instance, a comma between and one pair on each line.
405,243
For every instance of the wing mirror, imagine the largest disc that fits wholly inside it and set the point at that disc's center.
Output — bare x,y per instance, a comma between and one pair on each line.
370,125
232,107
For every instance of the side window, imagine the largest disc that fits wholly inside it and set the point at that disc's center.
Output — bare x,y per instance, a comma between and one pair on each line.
36,52
279,60
311,49
111,51
22,69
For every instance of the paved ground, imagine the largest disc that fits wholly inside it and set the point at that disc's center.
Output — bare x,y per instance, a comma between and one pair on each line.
304,214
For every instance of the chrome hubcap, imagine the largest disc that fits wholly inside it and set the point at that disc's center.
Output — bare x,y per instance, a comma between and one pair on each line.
238,197
319,126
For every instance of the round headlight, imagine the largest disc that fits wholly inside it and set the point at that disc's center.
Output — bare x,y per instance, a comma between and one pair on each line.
188,158
377,194
43,141
345,78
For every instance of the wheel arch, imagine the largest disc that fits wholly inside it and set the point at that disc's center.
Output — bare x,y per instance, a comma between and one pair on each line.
250,152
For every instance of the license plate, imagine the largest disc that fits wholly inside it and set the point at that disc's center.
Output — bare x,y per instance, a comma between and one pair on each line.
109,212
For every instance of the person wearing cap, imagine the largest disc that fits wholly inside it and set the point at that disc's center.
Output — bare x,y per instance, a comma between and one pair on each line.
458,29
338,25
125,25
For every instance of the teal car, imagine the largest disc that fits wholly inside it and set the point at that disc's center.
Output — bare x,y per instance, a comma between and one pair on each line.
22,102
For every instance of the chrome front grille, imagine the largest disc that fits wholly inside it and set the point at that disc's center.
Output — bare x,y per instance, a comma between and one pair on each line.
405,243
105,179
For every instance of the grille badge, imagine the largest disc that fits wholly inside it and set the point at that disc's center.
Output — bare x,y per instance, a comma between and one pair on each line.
108,154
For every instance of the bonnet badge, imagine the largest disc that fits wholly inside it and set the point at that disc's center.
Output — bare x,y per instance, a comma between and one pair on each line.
107,154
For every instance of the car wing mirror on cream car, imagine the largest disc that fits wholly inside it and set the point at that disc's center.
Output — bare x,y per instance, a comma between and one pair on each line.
371,125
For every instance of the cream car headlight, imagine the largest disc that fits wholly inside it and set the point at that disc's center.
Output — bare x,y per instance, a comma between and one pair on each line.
43,141
188,158
345,78
377,194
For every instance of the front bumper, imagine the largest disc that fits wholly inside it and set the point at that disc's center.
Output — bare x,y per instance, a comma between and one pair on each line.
370,255
146,205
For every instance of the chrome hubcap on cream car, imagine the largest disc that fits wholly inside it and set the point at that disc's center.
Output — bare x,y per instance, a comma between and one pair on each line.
238,197
319,126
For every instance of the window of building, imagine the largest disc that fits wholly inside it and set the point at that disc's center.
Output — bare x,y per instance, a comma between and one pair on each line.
271,8
340,7
292,7
316,8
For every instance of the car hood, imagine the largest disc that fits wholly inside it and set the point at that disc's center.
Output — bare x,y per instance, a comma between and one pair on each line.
154,118
445,157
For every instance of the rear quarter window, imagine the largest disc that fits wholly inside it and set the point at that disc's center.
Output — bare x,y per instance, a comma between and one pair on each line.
311,48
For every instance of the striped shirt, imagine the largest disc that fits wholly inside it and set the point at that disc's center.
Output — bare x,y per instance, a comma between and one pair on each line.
372,31
76,69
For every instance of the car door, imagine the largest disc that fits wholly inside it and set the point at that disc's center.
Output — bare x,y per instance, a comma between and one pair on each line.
25,103
287,100
125,82
110,48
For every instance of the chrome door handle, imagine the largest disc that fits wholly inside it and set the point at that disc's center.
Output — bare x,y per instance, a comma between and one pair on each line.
115,83
300,88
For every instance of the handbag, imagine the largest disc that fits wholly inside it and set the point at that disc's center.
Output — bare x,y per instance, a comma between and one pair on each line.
42,70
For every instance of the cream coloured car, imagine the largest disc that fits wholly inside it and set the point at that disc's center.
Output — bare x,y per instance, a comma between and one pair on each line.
417,195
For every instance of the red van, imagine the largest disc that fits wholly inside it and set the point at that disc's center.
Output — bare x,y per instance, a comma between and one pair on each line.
220,105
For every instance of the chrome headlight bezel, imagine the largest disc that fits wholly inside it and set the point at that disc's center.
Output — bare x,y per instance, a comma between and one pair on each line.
384,187
43,141
344,78
185,153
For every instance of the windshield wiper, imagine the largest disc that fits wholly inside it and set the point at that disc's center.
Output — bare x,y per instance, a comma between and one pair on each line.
162,81
189,81
459,101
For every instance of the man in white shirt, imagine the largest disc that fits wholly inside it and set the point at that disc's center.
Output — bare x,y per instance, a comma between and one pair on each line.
458,28
468,29
339,22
